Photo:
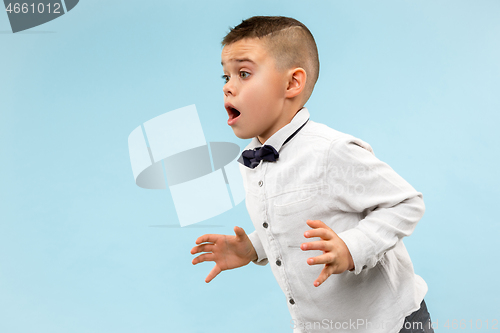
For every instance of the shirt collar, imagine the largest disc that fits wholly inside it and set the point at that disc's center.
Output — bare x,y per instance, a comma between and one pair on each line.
277,140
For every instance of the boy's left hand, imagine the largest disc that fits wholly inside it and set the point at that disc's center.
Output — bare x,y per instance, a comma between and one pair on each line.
336,255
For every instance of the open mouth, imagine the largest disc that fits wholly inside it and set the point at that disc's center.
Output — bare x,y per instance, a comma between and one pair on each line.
233,113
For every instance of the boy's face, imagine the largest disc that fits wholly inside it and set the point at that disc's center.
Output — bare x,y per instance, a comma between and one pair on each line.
255,88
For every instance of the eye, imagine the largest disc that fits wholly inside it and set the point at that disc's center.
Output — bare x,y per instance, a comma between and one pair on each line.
225,78
244,75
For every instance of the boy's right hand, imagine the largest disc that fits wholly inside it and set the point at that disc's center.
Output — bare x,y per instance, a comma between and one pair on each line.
227,251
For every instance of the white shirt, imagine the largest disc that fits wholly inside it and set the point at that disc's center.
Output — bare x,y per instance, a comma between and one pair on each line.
323,174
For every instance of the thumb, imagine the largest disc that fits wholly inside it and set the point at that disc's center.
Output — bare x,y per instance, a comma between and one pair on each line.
240,233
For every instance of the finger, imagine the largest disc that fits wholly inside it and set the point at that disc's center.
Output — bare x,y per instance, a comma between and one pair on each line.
316,223
317,245
212,238
203,257
240,233
208,247
325,274
319,232
213,273
327,258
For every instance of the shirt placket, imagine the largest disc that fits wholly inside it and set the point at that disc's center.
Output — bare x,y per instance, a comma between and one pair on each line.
274,246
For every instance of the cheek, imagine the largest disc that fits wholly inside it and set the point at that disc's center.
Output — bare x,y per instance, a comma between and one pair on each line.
264,92
275,86
254,93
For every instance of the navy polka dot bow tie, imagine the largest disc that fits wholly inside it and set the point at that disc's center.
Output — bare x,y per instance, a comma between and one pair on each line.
252,157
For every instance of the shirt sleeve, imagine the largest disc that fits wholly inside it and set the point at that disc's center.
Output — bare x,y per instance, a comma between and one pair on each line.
389,207
257,244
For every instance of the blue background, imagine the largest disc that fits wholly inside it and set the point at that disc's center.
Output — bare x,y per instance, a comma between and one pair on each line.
80,246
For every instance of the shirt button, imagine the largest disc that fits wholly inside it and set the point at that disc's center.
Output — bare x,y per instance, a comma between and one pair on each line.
265,225
278,262
261,183
291,301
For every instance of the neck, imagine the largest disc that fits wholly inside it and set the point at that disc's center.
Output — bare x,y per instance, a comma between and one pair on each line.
285,119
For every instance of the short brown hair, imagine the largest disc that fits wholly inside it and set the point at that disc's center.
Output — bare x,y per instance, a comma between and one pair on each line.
288,40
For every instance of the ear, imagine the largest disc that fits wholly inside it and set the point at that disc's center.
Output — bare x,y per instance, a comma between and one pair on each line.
296,82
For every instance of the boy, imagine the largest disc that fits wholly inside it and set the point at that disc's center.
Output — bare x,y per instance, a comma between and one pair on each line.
305,180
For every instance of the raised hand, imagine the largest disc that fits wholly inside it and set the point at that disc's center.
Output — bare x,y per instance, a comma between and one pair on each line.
226,251
336,256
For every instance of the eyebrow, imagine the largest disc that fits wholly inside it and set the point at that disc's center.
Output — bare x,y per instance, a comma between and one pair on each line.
240,60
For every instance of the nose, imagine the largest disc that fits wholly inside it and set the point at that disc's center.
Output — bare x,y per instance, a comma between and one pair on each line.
228,88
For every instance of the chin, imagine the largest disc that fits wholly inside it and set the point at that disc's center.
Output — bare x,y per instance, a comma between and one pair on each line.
240,135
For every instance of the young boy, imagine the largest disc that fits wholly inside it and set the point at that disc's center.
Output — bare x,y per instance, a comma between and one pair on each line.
304,180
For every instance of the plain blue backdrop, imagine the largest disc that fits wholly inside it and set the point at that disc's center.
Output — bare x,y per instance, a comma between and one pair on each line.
81,249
